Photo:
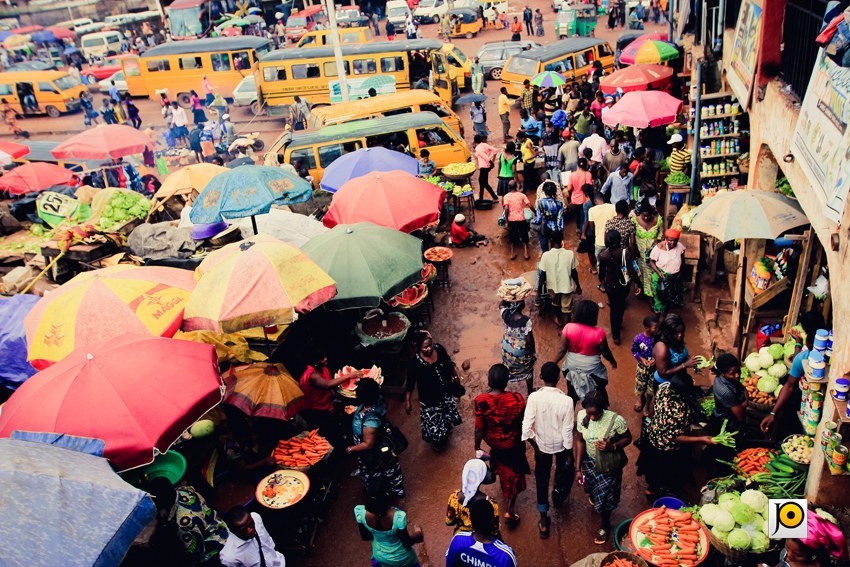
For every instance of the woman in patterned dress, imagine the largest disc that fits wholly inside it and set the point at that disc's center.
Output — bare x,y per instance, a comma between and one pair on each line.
648,225
432,372
518,350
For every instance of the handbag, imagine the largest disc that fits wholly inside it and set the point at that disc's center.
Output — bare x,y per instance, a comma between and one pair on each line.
456,389
611,461
624,270
391,443
528,214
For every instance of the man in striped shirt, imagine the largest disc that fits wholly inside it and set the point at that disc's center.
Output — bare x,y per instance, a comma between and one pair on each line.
680,158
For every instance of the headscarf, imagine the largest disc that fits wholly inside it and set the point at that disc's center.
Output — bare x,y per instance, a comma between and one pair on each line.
672,233
823,534
474,472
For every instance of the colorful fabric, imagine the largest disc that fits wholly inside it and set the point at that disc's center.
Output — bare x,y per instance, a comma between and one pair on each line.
583,339
511,466
457,514
596,430
465,550
201,531
515,203
644,379
604,487
516,354
672,417
499,418
642,347
550,213
438,420
646,241
673,297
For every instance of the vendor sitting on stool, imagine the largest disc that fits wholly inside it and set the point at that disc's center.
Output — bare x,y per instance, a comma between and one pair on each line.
463,236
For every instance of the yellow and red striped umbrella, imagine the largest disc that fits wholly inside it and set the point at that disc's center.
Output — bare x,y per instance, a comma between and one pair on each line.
102,304
255,283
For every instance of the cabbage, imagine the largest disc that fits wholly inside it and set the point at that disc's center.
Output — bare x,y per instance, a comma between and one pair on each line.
708,512
752,362
768,384
742,513
723,520
765,358
762,373
778,370
738,539
764,526
759,542
777,390
789,348
727,499
755,500
777,351
719,534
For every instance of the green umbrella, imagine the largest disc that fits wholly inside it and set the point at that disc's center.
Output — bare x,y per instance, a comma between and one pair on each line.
367,262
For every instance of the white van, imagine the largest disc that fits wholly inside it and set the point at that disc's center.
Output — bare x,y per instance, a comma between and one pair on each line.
101,44
397,12
74,24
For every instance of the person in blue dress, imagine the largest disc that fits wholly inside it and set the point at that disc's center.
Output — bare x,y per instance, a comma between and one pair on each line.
670,353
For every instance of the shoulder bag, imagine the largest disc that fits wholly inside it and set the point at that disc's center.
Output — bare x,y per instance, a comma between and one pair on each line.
391,443
611,461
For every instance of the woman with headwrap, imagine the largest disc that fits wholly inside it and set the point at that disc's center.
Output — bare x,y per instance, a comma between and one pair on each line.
518,349
730,407
600,431
432,373
824,542
664,456
498,422
665,261
457,512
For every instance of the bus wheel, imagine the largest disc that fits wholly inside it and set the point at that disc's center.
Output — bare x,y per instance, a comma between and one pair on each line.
435,19
469,35
184,100
258,145
53,112
563,37
257,108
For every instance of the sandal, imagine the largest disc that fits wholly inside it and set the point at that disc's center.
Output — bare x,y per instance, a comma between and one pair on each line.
544,529
511,521
601,537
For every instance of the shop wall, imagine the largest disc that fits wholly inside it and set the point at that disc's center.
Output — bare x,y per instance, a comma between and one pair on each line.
772,121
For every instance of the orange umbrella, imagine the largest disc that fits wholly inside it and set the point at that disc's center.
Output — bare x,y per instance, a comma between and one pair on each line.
393,199
264,390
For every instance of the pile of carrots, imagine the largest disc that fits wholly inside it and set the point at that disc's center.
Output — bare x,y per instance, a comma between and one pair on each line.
302,451
753,461
674,538
620,562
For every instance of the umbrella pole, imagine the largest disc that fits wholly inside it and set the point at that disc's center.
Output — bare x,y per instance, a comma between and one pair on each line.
266,334
254,225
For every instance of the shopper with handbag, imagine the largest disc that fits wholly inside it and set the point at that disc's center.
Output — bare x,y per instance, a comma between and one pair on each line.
616,271
433,374
600,446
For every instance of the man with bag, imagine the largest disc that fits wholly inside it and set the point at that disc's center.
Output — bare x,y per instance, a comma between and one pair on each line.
548,426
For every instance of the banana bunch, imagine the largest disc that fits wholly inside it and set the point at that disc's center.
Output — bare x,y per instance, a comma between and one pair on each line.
463,168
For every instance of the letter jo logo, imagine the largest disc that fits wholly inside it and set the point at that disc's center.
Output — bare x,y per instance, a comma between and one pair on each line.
787,519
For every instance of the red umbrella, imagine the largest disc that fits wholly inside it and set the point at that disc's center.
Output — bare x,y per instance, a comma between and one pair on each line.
61,33
103,142
13,149
643,109
35,176
393,199
138,394
26,30
636,78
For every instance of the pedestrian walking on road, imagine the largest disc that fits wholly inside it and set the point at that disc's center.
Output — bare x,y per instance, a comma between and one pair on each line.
132,112
548,426
538,22
505,113
485,155
482,546
479,119
528,18
498,422
518,349
516,29
477,75
457,510
386,527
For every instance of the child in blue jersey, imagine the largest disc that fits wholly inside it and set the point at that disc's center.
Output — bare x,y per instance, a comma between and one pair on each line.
480,548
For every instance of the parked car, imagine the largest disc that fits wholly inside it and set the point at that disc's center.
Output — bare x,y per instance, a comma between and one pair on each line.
103,70
493,55
245,94
351,17
120,83
432,11
34,65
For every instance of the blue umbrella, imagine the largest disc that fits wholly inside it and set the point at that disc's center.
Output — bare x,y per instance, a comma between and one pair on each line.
69,508
14,368
43,36
69,50
246,191
470,98
4,35
363,161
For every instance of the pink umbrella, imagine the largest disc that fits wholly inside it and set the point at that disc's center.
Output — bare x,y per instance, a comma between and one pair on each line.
35,176
61,33
643,109
103,142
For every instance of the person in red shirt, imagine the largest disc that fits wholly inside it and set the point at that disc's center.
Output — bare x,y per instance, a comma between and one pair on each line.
316,383
463,236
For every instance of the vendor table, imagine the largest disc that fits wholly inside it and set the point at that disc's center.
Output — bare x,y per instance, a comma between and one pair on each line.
78,258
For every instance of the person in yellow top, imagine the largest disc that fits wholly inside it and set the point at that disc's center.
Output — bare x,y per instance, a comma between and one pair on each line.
505,113
457,512
528,151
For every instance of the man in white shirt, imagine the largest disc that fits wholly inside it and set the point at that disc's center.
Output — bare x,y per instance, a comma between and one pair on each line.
548,426
249,544
558,270
178,124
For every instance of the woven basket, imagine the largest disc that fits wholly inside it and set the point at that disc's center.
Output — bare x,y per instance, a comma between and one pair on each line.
609,559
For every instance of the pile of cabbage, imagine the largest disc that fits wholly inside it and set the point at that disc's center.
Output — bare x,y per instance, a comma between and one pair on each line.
768,364
739,520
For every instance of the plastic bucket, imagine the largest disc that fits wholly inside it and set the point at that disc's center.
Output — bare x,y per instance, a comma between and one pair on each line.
621,533
669,502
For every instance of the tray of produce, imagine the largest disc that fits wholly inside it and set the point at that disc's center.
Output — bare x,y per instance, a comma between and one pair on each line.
302,451
349,387
669,538
458,171
738,522
438,254
799,448
622,559
282,489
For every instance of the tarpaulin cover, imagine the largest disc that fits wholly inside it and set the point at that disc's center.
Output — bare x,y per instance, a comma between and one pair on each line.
14,368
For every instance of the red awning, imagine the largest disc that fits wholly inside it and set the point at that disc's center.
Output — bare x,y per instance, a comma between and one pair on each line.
177,4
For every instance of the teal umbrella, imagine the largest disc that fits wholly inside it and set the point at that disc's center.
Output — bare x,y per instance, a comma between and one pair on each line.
246,191
368,263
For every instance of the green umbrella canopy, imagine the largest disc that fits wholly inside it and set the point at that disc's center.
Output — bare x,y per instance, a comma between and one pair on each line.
367,262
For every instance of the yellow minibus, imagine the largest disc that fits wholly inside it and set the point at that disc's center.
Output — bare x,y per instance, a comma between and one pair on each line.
54,92
570,57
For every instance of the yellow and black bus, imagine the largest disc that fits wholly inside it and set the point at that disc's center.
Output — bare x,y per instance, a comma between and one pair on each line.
386,66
